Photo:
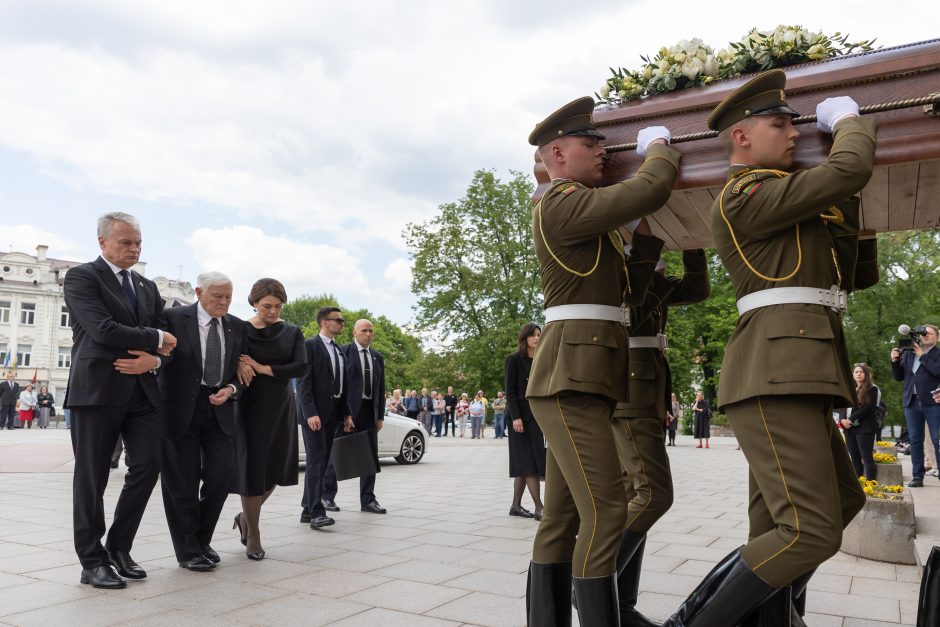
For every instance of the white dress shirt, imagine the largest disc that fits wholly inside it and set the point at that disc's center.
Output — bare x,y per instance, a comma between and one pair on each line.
203,318
332,349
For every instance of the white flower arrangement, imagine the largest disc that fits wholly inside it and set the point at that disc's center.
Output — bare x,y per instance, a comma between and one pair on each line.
690,63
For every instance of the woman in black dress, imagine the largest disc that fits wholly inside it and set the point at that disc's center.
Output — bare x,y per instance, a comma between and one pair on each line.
701,428
266,451
526,442
861,423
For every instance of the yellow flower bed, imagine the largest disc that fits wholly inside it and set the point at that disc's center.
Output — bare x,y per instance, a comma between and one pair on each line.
884,458
875,490
883,444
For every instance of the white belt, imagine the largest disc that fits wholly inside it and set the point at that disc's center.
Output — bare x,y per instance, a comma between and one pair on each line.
833,298
649,341
588,312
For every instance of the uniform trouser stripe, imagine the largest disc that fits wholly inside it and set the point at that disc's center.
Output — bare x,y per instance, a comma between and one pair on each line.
585,509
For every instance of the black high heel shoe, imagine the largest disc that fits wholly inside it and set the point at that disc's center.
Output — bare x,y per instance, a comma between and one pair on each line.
256,556
242,532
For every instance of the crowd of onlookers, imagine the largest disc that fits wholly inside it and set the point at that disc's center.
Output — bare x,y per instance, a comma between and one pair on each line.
20,406
441,412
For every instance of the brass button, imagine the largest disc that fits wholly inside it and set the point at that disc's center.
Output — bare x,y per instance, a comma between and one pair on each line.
802,332
594,338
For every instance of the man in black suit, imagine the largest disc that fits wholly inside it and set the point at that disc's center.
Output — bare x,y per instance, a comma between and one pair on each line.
323,391
365,368
919,368
118,330
198,387
9,394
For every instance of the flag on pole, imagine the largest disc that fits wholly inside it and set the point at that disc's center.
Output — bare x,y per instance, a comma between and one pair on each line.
35,374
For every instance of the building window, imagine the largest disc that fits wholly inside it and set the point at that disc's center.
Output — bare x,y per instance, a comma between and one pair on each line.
65,357
64,317
28,313
3,354
24,355
4,311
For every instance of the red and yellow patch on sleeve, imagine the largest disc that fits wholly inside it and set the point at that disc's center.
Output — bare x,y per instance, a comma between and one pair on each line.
567,188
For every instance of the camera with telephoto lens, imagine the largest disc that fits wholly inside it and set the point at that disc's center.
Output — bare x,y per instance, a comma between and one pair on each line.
910,336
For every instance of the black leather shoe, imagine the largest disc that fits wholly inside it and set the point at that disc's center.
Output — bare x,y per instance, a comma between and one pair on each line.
242,531
915,483
126,566
330,505
521,512
210,554
256,556
102,577
321,521
548,595
305,518
373,507
198,564
537,514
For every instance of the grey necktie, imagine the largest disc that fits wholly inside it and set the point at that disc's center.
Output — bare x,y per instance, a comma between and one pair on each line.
212,370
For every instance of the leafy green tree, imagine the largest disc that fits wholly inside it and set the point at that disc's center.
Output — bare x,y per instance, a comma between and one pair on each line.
476,275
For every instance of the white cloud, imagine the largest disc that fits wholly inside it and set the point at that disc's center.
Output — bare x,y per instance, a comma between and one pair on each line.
398,277
24,238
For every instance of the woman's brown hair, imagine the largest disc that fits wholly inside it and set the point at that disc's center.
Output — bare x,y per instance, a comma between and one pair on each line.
527,331
863,388
267,287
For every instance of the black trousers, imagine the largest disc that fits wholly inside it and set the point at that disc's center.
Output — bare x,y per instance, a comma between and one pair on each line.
861,448
95,430
7,416
318,445
365,421
203,452
449,420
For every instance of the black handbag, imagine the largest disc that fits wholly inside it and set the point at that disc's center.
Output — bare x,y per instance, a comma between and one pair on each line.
354,456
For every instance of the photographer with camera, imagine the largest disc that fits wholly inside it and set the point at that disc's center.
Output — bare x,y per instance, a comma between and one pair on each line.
918,364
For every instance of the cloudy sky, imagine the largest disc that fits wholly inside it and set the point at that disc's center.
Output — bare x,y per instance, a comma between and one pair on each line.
295,139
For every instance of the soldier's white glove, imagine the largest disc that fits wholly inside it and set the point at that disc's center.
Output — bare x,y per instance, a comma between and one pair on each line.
831,110
648,135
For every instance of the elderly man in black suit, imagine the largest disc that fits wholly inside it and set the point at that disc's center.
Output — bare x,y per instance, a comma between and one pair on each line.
118,335
198,388
323,397
9,394
919,368
365,368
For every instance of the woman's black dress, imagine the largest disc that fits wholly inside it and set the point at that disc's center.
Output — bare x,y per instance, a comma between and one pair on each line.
701,427
266,450
526,449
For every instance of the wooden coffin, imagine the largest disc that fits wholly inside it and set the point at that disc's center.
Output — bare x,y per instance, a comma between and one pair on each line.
904,192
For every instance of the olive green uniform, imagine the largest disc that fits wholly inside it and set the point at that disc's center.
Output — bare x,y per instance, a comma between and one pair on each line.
577,374
787,365
641,420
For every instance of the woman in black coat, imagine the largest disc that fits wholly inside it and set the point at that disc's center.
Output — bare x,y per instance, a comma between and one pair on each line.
861,422
526,442
701,428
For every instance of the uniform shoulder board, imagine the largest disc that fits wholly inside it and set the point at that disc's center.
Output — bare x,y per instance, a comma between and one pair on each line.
568,188
749,183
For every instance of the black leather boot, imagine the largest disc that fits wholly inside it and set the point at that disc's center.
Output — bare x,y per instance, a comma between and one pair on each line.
725,597
548,595
597,601
628,580
777,611
928,607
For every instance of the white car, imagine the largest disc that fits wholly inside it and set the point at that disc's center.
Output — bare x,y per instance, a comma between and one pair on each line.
401,437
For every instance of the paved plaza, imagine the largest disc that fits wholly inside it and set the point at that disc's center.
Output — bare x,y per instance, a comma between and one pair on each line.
446,553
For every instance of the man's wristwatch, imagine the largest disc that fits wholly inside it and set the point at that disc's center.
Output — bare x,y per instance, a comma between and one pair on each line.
154,370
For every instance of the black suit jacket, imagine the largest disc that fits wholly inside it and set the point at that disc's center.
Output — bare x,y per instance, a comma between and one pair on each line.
104,328
354,376
8,396
516,380
924,381
181,374
316,386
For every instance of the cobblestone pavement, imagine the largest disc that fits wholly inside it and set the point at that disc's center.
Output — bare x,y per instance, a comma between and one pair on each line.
446,553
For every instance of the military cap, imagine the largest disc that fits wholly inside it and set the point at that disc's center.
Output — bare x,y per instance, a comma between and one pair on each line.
572,119
762,95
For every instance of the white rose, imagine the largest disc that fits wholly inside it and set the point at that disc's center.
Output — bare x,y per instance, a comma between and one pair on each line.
605,91
816,52
710,67
680,57
692,68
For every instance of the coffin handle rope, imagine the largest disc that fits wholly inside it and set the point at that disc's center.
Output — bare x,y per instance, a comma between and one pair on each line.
930,104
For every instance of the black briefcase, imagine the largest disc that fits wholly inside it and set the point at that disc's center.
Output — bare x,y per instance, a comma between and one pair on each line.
354,456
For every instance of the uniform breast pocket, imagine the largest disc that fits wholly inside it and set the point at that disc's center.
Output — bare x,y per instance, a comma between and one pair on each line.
642,382
588,353
799,347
